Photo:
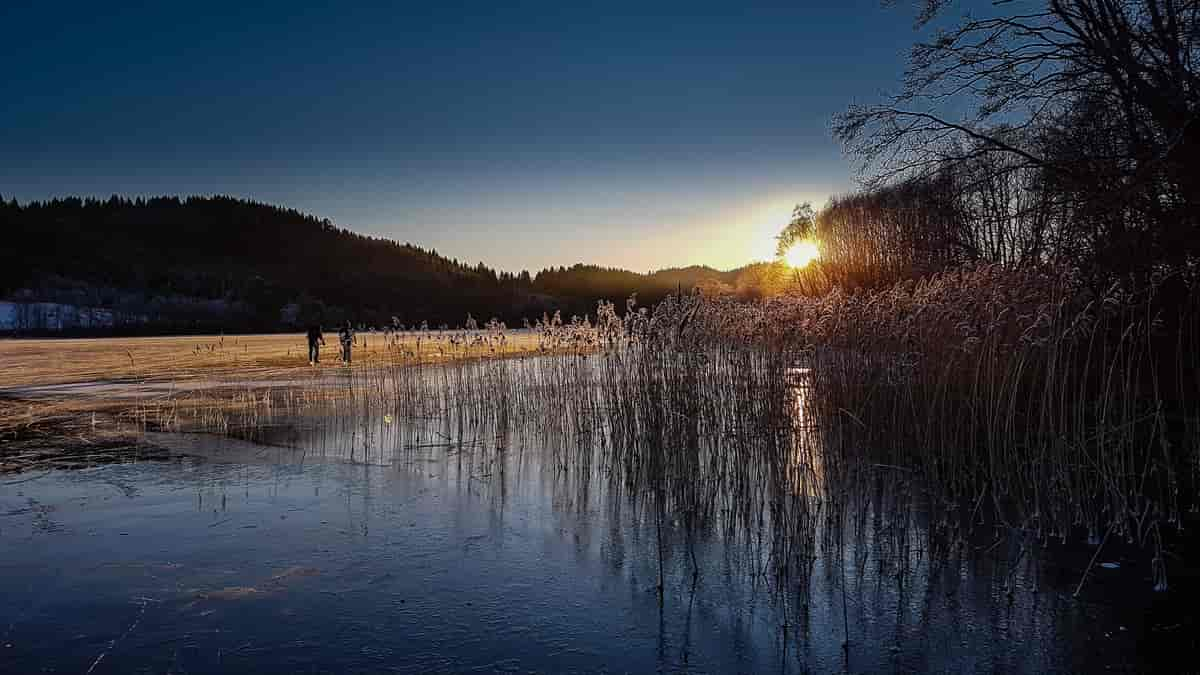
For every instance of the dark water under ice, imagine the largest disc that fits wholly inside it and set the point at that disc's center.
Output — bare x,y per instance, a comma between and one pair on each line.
248,559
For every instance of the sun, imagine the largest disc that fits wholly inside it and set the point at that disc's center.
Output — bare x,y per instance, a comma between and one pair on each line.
802,253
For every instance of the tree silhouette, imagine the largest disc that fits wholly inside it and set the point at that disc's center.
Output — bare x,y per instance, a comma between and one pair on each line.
1094,102
219,263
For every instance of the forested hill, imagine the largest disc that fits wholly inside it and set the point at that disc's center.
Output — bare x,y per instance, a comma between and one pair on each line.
206,263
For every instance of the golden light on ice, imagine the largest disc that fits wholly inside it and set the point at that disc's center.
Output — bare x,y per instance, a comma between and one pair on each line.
802,253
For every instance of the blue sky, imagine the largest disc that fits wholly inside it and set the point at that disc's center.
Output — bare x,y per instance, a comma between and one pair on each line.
521,134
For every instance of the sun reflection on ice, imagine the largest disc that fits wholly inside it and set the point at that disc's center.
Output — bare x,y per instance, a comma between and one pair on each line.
806,456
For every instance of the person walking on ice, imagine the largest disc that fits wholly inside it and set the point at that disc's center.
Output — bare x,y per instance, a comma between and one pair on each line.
346,337
315,338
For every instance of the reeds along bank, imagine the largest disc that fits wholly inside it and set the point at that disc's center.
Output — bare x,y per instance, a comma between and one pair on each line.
1015,398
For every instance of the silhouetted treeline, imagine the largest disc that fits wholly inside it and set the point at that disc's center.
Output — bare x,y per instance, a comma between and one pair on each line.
219,263
1064,131
579,286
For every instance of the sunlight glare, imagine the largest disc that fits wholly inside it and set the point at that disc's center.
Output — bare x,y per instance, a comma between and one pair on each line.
802,253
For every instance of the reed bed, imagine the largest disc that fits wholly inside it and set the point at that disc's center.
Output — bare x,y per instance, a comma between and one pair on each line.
802,435
1047,408
41,362
60,397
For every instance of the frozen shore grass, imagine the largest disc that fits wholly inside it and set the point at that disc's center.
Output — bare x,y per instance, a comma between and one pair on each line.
65,394
41,362
983,400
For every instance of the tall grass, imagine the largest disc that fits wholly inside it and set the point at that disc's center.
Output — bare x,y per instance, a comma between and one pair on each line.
789,432
1047,408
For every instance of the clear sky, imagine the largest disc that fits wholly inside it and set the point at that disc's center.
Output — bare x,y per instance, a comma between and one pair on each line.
640,135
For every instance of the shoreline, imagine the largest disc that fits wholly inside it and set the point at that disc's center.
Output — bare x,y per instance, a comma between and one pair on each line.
60,409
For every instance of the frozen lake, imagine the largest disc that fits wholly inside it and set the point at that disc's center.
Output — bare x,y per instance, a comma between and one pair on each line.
248,558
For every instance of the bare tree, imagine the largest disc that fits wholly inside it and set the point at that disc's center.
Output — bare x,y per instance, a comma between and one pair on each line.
1098,97
798,228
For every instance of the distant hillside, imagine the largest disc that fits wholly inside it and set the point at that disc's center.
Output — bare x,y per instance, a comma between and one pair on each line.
694,275
218,263
588,282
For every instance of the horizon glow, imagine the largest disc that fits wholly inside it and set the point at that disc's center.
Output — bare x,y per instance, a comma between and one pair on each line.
522,137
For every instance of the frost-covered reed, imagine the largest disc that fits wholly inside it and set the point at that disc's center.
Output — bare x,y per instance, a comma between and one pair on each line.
985,401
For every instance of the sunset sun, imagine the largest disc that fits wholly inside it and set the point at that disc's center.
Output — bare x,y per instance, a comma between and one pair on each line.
802,253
